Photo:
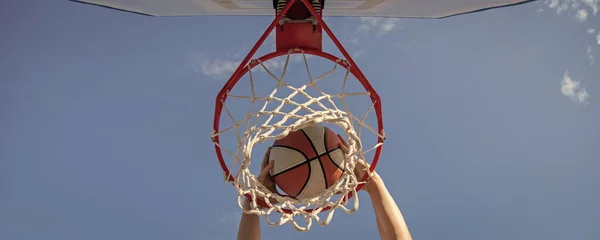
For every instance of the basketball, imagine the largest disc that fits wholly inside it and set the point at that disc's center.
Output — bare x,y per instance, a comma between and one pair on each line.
307,161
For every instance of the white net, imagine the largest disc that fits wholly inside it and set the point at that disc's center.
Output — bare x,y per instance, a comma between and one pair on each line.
256,117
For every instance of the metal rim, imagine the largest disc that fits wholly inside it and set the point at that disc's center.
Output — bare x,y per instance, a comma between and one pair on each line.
222,98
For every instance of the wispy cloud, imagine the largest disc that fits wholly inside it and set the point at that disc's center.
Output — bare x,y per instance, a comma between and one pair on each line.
381,26
579,8
230,217
213,67
581,15
594,5
583,11
358,53
573,90
220,68
226,65
373,26
591,57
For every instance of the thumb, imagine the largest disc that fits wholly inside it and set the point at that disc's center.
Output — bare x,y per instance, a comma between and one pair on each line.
267,168
266,158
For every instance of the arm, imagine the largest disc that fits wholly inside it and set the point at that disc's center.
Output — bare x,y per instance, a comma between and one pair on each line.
249,225
249,228
390,222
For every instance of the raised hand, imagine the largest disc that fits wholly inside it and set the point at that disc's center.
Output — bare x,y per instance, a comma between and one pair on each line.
265,177
361,167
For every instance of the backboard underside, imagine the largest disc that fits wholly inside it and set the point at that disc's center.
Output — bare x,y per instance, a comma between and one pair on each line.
357,8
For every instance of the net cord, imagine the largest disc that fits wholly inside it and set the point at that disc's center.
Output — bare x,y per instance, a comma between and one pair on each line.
249,132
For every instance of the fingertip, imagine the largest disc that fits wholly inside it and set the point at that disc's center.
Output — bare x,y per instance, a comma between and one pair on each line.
269,165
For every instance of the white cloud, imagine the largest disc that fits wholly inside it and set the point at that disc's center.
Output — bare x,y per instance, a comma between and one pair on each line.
213,67
270,41
373,26
583,11
358,53
382,26
591,57
230,217
558,5
572,89
581,15
387,26
577,7
221,68
593,4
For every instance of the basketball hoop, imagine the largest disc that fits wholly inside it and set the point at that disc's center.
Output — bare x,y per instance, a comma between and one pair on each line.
296,38
299,31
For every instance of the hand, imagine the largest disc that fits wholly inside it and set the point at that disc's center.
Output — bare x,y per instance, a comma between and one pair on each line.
265,177
361,167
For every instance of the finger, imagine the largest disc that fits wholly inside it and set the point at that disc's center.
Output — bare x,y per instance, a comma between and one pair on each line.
265,160
343,141
343,144
344,148
266,169
362,164
361,170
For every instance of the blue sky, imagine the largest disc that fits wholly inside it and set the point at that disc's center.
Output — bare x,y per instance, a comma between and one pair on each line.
492,122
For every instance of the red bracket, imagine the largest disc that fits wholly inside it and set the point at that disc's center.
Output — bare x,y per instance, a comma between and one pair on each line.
298,34
222,96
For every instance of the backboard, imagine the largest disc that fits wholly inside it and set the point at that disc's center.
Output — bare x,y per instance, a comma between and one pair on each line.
358,8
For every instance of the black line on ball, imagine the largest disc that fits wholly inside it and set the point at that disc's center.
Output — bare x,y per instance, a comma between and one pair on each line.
294,167
308,162
326,152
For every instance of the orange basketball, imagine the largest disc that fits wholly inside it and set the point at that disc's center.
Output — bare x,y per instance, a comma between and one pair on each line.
307,161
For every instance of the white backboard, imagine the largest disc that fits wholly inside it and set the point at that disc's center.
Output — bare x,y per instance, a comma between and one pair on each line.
370,8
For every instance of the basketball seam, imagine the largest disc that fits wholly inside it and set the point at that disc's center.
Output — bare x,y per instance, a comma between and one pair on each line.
306,160
307,178
331,158
326,152
318,158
